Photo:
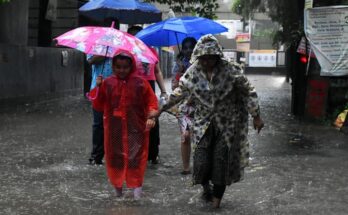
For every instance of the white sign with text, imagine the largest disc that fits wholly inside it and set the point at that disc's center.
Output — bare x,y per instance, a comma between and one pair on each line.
263,58
327,31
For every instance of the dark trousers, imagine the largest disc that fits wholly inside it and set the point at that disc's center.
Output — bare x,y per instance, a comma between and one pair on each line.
219,190
154,140
208,164
97,153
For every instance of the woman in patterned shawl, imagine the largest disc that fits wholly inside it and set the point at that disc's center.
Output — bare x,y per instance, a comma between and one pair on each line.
223,97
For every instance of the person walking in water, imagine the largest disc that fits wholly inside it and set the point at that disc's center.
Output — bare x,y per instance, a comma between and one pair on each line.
223,98
101,66
185,109
127,101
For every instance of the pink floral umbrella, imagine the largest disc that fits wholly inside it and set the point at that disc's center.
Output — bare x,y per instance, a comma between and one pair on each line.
107,42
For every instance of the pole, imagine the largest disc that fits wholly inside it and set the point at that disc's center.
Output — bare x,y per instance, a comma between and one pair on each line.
177,42
106,53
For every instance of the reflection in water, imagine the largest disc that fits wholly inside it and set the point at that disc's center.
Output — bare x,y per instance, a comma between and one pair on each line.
295,168
278,82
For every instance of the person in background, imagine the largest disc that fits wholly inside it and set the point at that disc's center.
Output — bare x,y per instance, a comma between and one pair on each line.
101,66
151,73
223,98
184,110
126,100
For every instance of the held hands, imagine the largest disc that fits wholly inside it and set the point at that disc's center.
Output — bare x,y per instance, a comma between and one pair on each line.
258,123
151,119
99,80
165,95
150,123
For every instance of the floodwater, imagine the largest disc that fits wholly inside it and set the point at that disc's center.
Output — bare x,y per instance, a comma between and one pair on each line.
296,167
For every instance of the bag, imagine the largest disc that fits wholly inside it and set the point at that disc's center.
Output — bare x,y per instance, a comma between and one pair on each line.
341,118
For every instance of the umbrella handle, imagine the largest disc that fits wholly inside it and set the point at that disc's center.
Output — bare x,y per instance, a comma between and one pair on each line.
107,49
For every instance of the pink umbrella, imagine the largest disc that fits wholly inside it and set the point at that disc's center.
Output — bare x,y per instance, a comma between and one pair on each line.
107,42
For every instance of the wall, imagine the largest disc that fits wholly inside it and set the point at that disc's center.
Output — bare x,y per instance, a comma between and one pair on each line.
14,22
66,19
35,71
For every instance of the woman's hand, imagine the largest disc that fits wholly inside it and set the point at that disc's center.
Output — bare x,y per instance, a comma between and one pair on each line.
165,95
150,123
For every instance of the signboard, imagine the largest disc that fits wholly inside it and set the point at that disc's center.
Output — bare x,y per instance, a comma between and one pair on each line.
327,31
263,58
243,42
243,47
308,4
242,37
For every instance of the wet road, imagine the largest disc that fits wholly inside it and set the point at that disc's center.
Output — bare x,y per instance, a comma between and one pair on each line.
296,167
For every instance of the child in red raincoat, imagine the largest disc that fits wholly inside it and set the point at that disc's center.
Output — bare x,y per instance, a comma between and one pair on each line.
126,100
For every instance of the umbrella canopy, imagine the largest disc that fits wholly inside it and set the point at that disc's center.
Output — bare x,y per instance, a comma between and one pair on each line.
172,31
126,11
107,42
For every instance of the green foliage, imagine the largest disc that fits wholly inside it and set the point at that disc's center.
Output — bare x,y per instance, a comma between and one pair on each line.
202,8
4,1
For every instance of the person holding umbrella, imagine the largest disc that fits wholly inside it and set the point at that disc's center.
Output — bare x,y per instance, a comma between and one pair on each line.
125,99
101,66
223,98
152,73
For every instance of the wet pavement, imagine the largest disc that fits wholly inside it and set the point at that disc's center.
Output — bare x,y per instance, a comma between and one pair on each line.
297,167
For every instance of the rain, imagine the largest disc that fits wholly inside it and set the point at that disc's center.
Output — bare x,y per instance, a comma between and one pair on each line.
292,52
295,166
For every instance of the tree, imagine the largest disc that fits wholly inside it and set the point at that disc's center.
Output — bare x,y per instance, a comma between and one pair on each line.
203,8
289,14
3,1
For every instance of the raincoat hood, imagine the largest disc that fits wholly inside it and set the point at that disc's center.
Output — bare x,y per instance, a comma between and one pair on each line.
132,57
206,45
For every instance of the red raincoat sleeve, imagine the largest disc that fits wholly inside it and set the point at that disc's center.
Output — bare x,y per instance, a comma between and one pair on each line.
97,97
152,102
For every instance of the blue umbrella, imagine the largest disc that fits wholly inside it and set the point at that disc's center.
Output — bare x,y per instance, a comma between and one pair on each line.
172,31
126,11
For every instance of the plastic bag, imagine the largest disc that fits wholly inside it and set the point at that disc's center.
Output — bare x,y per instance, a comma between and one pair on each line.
341,118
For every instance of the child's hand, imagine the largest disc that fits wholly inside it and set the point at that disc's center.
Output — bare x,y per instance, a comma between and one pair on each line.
150,123
99,80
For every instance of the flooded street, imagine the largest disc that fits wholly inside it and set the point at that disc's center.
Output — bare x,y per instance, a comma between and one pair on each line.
296,167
